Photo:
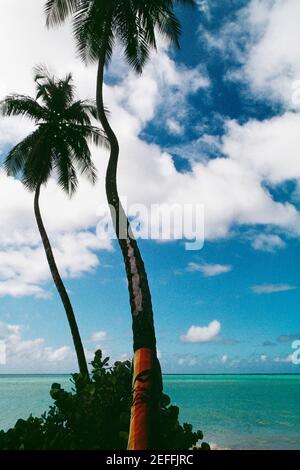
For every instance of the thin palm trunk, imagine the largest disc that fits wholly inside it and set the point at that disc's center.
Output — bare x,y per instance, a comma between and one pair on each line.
83,368
147,379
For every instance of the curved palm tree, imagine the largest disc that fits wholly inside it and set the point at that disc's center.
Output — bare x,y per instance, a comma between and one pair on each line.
98,24
57,146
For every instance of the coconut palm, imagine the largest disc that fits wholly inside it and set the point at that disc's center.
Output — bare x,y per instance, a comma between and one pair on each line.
57,146
98,25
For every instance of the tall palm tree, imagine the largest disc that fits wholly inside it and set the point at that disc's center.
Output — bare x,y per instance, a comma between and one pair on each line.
57,146
98,24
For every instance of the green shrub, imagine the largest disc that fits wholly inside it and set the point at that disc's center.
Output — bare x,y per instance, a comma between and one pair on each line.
95,415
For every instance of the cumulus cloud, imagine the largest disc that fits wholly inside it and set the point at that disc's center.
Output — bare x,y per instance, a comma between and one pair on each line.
268,148
263,40
268,243
23,267
272,288
188,360
224,359
174,127
202,334
33,355
209,270
99,336
272,63
263,358
203,6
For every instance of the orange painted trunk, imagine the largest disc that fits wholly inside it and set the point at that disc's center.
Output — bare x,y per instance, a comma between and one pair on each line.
140,423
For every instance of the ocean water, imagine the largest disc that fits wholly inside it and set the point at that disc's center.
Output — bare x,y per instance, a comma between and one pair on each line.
241,411
233,411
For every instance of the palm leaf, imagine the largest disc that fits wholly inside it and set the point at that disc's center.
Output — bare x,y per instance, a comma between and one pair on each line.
58,10
21,105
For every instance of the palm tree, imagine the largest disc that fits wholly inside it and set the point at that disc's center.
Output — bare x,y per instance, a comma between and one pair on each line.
57,146
98,24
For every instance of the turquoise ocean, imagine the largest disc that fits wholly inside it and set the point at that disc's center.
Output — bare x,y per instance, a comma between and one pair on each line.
233,411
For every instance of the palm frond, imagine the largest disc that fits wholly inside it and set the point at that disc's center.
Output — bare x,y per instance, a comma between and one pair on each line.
58,10
45,84
21,105
97,137
93,30
133,36
66,173
16,158
38,164
80,112
169,26
82,160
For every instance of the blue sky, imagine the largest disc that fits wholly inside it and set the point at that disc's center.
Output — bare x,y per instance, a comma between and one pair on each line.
214,123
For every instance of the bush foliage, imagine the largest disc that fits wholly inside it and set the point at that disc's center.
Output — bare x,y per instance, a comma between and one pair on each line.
95,415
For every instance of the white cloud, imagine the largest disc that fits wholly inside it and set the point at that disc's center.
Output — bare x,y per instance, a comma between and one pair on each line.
23,266
19,288
271,288
263,358
99,336
202,334
58,355
268,242
174,127
33,355
204,7
192,362
6,330
266,148
263,38
224,359
188,360
273,58
209,270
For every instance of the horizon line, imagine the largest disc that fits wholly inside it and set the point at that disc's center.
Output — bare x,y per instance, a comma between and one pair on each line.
164,374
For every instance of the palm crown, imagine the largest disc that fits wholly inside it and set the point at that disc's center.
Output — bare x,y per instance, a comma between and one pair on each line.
134,23
59,143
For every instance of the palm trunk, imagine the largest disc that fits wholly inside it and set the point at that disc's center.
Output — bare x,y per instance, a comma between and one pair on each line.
83,368
147,379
